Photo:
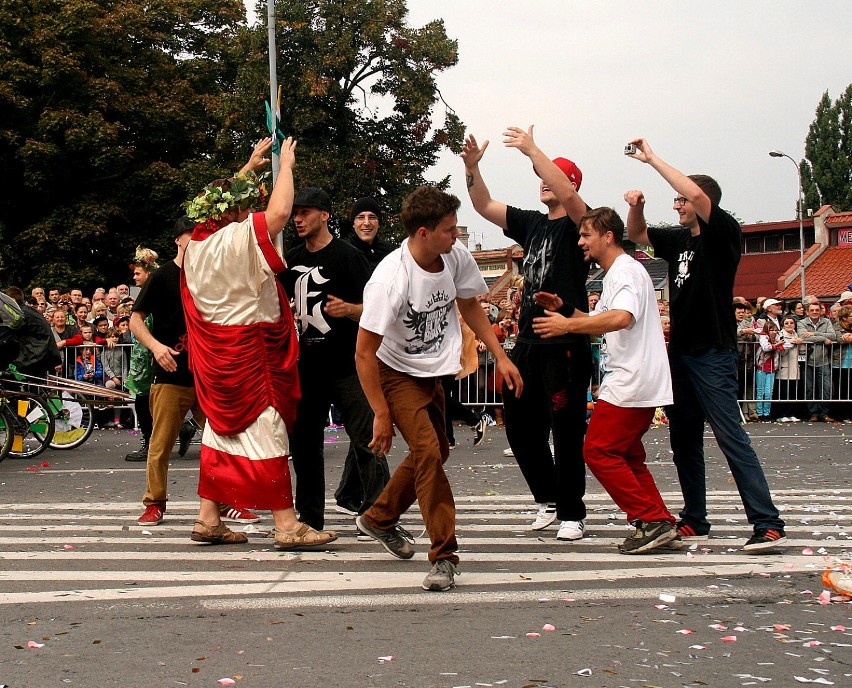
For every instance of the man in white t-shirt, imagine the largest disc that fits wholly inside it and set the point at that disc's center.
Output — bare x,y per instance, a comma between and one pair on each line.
636,378
409,337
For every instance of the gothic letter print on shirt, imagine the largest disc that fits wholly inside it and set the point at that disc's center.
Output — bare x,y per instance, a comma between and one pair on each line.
309,303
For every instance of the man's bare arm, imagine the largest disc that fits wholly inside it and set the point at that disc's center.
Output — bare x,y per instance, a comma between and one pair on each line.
553,324
487,207
281,201
367,364
550,174
637,227
682,184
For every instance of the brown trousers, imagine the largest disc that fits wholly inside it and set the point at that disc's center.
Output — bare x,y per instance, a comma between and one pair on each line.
417,408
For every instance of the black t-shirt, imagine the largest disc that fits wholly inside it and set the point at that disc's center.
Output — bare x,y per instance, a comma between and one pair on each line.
553,262
337,269
701,282
374,253
160,297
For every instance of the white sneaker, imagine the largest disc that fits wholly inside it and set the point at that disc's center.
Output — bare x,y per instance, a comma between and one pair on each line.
571,530
793,419
545,516
508,452
784,419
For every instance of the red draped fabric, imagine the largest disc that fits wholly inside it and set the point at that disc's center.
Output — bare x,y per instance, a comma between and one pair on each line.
242,369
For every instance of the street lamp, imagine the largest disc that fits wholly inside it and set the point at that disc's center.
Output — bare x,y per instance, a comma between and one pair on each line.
778,154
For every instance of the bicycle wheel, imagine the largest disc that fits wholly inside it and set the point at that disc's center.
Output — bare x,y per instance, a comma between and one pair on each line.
7,433
75,421
34,425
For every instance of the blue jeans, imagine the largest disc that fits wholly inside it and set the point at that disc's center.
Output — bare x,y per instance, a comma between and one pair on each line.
705,387
818,386
764,382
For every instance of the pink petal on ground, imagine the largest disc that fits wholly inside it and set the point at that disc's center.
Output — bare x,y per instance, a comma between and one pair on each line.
781,627
385,659
789,566
685,631
533,635
226,681
824,597
661,606
548,627
68,547
44,464
838,628
729,638
718,627
807,551
812,643
32,644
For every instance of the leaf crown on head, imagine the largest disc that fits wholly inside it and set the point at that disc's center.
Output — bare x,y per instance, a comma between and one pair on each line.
242,191
145,258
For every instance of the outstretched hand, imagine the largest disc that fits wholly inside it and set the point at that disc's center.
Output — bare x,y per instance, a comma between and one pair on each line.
643,150
471,151
258,157
548,301
287,156
551,325
520,139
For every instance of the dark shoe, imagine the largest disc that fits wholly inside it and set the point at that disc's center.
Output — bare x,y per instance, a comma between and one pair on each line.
648,536
397,540
765,538
479,430
140,454
688,534
442,576
216,535
813,419
110,424
187,432
828,419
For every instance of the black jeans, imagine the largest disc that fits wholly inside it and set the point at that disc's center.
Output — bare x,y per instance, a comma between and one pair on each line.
556,381
307,442
454,409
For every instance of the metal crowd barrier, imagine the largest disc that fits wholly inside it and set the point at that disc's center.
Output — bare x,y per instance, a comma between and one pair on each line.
807,381
77,366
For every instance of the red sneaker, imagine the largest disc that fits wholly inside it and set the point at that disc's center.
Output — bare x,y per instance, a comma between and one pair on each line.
151,517
237,515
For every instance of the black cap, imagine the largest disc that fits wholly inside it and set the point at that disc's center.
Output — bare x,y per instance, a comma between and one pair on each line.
366,204
182,226
313,197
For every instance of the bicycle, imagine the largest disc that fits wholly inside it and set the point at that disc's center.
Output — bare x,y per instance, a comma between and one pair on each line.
28,420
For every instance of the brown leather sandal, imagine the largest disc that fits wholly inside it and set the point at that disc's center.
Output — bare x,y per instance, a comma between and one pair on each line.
216,535
303,536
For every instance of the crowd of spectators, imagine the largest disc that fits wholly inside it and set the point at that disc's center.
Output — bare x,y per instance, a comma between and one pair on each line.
92,336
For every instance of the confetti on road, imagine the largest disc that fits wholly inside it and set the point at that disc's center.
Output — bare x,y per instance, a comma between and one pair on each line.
32,644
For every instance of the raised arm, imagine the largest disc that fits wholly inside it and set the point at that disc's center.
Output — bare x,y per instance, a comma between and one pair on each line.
637,228
682,184
281,201
258,158
487,207
550,174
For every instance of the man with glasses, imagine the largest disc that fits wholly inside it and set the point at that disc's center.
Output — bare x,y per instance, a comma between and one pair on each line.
703,255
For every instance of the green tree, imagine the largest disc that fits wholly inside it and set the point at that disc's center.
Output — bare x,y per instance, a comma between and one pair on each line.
827,167
103,104
358,92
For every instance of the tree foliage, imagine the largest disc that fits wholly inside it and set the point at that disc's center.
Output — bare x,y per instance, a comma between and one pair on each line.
113,111
107,109
827,167
358,92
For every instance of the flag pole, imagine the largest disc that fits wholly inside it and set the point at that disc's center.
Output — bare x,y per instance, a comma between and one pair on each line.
274,95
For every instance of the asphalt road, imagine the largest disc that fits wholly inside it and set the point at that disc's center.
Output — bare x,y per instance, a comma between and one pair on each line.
114,604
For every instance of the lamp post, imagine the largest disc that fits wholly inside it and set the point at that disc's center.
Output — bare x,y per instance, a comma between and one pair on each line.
778,154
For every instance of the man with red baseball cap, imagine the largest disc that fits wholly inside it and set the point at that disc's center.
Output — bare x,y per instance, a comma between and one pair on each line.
556,371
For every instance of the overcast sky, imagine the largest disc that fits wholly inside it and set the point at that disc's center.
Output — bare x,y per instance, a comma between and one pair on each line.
712,86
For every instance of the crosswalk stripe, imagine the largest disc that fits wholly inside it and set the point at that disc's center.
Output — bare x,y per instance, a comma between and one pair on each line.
82,551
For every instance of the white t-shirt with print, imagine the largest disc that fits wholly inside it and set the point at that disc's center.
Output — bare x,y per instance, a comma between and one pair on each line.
634,358
412,310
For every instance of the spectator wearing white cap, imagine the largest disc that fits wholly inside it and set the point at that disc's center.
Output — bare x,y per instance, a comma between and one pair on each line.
772,310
